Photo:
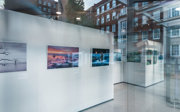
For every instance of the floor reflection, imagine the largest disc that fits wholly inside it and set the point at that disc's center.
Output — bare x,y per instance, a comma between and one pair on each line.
129,98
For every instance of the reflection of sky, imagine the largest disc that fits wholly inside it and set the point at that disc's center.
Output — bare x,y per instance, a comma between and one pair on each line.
15,51
89,3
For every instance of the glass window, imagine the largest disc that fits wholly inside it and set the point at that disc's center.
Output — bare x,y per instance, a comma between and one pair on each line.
136,21
175,50
44,9
107,28
145,35
144,4
40,1
156,15
102,20
144,20
136,6
156,34
107,17
40,7
123,25
102,9
49,10
174,32
175,12
44,3
102,28
114,3
114,28
49,4
123,11
113,15
98,11
54,6
123,38
97,22
108,6
135,39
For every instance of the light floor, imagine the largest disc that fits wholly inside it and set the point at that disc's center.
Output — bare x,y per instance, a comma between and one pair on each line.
129,98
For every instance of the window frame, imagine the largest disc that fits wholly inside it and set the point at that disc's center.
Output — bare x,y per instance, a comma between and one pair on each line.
108,18
154,34
178,51
174,36
113,28
143,36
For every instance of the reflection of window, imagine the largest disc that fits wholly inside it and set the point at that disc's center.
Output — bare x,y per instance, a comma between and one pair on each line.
98,11
144,4
107,17
39,7
102,20
97,22
122,38
44,9
49,10
156,34
114,28
44,3
40,1
102,28
113,15
156,15
145,35
107,28
172,12
175,12
123,25
135,39
144,20
54,6
102,9
108,6
114,3
136,21
49,4
136,6
123,11
175,32
175,50
134,57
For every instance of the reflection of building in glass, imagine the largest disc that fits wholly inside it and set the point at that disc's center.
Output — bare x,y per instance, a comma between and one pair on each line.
110,16
45,8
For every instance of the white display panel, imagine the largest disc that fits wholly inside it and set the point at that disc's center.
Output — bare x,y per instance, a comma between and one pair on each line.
59,90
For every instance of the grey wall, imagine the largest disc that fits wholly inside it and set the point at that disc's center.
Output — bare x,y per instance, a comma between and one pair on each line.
57,90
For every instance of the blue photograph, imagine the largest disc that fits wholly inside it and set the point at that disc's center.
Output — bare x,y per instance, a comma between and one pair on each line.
100,57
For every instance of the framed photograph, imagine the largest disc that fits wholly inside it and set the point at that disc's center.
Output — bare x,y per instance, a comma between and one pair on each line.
134,57
100,57
12,57
62,57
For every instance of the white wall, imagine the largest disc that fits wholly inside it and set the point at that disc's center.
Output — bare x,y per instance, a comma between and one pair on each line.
117,72
57,90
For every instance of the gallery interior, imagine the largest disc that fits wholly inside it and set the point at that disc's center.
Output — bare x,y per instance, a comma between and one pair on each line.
70,56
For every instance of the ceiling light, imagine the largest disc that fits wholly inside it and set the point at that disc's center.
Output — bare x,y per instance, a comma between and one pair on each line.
178,9
58,12
78,19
